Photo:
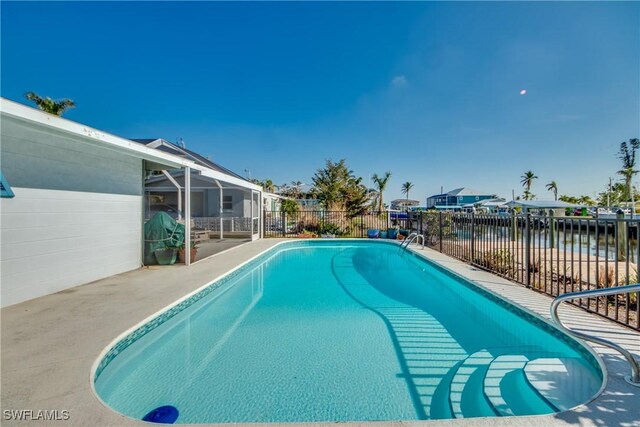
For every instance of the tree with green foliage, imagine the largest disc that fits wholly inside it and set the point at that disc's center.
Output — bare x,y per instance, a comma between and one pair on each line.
527,180
356,197
615,195
338,189
582,200
49,105
296,189
381,184
627,154
289,207
553,186
569,199
586,200
268,186
406,187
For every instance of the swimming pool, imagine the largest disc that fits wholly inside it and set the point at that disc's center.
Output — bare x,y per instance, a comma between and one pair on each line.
344,330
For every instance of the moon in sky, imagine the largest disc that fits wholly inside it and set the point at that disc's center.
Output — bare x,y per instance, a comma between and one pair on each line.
523,92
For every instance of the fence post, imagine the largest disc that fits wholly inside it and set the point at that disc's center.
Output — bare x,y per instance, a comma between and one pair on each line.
440,229
552,230
622,236
284,224
514,225
473,238
637,260
420,223
527,249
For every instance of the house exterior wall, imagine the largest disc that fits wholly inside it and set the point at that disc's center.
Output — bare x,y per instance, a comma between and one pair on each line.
271,203
212,203
463,200
197,201
436,200
448,200
76,216
238,197
246,207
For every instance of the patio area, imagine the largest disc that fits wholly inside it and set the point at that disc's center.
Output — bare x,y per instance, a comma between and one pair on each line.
214,246
50,343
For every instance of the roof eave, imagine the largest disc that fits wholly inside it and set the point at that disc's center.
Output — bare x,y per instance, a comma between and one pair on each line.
88,134
112,142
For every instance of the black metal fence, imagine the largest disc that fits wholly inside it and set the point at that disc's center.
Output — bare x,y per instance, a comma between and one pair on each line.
334,223
552,255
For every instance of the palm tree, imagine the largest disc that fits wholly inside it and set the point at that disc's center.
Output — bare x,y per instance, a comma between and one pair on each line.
553,186
283,189
569,199
296,189
381,185
627,154
268,186
50,106
406,187
527,180
586,200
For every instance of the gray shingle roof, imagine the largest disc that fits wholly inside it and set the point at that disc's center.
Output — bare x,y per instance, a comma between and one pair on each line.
172,148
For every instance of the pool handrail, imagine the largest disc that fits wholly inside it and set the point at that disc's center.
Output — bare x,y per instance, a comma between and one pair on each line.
634,378
410,238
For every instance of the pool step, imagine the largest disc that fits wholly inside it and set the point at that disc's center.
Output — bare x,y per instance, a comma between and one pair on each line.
490,384
508,390
464,397
554,378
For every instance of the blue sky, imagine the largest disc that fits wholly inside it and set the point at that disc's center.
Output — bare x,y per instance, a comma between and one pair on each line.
429,91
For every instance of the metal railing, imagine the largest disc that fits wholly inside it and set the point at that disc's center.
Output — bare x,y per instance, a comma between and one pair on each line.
550,254
229,224
634,378
338,223
413,236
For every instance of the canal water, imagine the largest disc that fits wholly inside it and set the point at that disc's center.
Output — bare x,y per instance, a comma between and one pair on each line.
580,241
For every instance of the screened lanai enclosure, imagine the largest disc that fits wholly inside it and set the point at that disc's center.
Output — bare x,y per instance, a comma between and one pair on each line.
220,209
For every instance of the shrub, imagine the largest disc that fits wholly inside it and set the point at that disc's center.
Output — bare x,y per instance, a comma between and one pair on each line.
499,261
289,207
330,229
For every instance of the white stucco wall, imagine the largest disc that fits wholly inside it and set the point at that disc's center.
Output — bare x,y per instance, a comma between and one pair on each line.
76,215
53,240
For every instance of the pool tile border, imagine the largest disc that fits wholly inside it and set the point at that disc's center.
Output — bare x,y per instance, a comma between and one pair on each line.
143,330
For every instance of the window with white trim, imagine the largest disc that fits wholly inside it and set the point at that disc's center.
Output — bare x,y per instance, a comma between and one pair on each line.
227,203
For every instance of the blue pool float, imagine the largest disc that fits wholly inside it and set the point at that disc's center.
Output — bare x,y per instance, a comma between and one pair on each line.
163,415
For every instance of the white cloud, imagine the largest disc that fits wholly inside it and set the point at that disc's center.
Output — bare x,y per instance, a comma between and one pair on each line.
399,81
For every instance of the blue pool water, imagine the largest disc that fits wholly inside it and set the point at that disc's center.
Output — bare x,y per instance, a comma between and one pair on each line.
344,331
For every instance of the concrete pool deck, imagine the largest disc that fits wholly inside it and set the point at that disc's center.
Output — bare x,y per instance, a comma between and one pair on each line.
49,344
